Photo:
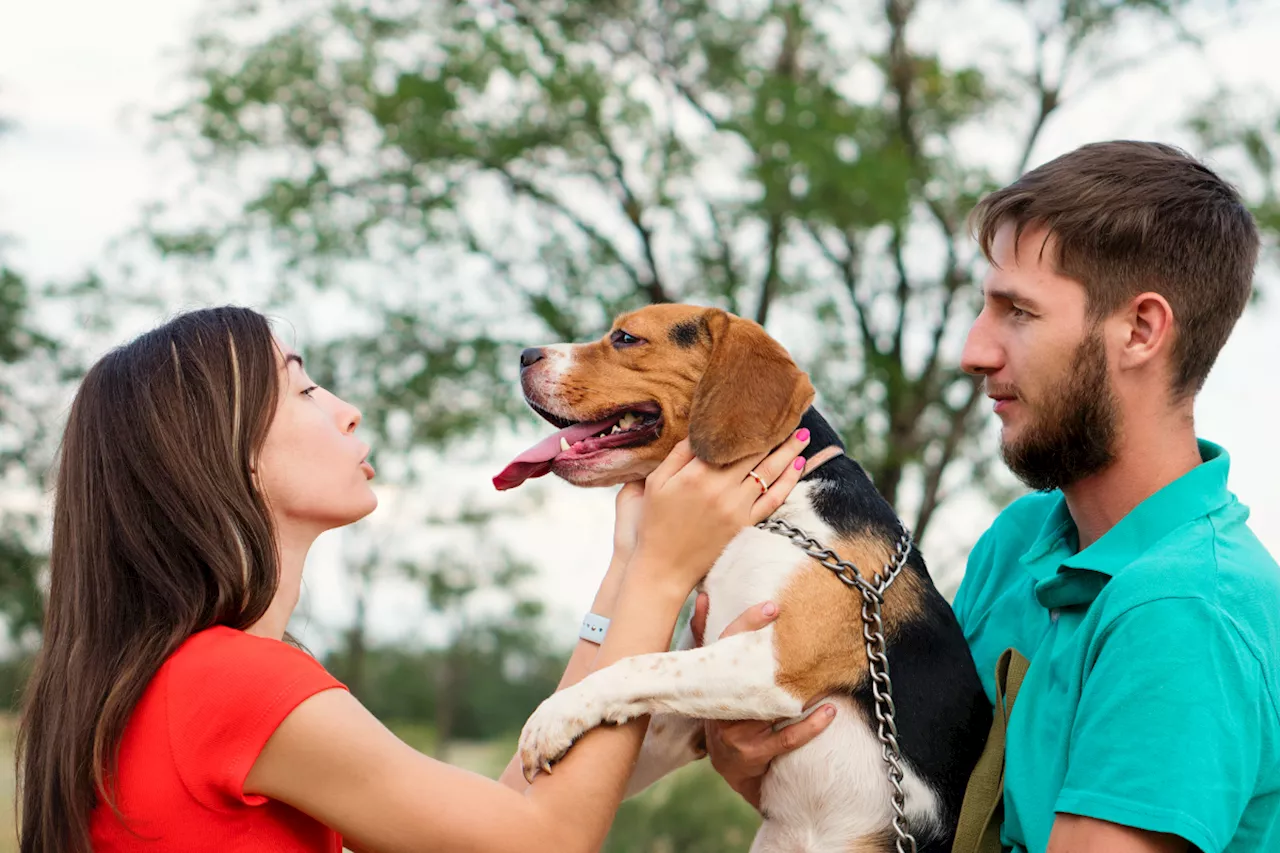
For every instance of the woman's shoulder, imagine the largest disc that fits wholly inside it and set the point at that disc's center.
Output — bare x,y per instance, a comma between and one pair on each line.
223,679
225,653
225,691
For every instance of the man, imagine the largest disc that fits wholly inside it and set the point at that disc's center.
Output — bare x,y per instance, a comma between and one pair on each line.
1147,722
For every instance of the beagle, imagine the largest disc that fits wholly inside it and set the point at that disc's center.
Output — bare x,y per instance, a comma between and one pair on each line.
620,404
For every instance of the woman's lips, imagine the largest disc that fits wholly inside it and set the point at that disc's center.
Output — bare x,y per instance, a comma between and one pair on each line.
368,470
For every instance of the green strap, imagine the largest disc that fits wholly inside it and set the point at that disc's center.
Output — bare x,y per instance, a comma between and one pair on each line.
982,811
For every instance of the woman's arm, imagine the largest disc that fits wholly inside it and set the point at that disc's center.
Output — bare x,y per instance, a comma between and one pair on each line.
626,519
584,655
333,760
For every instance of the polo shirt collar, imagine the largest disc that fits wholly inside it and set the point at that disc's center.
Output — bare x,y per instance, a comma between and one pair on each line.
1066,577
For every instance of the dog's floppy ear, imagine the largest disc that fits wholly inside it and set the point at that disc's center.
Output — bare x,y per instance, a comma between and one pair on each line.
751,395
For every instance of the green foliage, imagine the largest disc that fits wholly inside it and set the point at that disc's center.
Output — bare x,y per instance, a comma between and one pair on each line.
560,162
13,675
1247,136
24,355
497,691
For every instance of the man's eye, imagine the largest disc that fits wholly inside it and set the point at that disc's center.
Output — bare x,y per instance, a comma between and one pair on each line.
625,339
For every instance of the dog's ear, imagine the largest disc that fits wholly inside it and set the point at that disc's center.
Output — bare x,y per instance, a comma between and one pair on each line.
751,395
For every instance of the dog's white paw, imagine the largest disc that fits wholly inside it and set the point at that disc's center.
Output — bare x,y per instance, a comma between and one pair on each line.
560,720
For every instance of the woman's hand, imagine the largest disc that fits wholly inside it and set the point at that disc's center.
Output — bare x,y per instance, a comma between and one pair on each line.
626,521
691,510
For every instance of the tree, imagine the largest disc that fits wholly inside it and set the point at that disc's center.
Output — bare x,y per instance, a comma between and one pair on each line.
519,171
20,429
27,362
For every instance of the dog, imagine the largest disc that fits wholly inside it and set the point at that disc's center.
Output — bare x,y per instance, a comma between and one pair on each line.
620,404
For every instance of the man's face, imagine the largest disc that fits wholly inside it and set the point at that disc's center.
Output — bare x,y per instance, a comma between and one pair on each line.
1045,366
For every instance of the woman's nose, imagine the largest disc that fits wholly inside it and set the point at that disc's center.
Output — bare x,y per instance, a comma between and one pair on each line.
349,418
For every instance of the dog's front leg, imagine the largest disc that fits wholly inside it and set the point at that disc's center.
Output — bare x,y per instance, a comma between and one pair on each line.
731,679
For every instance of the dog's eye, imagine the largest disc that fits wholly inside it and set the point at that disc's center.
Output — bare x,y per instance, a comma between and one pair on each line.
624,339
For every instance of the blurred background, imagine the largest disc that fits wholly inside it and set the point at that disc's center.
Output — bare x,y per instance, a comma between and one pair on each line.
417,189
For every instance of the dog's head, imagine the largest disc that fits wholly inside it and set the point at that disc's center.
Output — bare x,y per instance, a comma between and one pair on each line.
660,374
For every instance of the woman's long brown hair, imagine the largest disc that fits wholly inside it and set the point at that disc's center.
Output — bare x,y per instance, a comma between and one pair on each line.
158,533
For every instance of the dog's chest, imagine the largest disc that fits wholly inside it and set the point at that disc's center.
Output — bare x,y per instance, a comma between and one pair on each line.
757,566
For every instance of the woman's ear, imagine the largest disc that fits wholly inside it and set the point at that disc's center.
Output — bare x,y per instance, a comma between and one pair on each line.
751,395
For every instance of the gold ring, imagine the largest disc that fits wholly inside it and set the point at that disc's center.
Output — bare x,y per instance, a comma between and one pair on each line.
764,487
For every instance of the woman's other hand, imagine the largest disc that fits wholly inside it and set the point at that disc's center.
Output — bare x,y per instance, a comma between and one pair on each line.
691,510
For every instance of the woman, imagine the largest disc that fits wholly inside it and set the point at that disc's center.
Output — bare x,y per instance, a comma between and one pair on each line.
165,713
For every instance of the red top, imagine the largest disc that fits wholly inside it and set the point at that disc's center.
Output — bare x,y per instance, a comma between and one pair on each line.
191,742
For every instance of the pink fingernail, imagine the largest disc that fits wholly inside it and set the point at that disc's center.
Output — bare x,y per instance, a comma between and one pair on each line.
831,710
799,463
769,609
802,435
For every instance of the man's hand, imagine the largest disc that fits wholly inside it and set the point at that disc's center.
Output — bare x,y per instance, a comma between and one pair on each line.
742,751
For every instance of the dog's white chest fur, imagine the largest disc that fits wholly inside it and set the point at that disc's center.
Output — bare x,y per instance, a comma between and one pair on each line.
756,566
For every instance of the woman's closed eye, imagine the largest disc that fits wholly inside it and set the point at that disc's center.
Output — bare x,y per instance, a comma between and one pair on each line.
306,392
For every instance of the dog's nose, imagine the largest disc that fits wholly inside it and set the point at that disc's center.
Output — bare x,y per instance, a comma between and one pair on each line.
533,355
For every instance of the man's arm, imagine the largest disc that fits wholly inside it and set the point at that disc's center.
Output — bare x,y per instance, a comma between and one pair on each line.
1076,834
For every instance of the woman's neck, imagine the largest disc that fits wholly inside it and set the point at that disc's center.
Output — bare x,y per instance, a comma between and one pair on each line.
293,554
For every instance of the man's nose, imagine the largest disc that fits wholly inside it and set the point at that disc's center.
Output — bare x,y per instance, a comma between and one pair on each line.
981,354
532,355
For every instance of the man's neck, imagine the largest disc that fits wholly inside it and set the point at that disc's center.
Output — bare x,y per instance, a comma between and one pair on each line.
1148,458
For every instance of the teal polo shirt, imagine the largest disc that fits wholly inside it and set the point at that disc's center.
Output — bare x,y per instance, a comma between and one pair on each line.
1151,700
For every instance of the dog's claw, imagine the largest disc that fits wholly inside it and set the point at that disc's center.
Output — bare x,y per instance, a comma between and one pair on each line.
546,767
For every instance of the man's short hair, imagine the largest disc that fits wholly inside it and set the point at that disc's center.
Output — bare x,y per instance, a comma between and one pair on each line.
1131,217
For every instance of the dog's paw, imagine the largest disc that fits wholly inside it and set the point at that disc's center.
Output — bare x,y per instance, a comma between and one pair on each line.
555,725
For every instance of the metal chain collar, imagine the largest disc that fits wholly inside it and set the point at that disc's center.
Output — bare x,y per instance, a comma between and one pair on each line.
877,662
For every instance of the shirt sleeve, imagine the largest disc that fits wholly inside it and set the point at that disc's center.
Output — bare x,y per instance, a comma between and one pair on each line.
974,574
1167,733
227,693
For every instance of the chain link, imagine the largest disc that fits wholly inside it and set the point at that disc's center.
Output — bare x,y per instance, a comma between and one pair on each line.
878,663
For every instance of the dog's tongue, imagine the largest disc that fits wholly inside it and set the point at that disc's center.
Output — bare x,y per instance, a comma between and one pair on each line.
536,461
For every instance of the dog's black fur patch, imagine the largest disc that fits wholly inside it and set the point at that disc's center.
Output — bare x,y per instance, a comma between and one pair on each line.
943,716
686,334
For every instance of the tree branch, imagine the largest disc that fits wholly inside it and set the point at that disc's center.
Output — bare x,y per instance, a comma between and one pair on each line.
848,268
956,430
902,293
528,188
1048,102
769,284
653,288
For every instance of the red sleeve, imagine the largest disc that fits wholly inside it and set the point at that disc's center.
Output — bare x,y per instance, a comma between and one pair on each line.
227,692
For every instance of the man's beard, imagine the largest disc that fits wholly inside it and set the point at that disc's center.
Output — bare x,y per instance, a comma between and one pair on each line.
1073,434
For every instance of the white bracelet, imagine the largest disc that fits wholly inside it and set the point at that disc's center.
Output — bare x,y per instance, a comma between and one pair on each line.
593,628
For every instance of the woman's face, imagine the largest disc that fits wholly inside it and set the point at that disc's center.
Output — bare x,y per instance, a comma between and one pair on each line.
312,467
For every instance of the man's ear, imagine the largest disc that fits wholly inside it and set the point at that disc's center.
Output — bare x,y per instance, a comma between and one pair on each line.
751,395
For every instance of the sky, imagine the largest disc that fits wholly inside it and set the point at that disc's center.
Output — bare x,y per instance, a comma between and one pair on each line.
79,79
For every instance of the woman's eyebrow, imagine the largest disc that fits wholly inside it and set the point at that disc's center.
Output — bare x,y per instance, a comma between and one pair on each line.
293,356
